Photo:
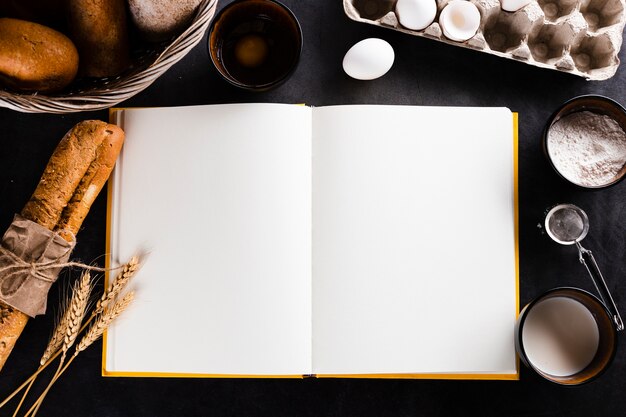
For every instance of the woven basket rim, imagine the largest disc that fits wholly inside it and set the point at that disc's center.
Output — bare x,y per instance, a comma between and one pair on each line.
116,90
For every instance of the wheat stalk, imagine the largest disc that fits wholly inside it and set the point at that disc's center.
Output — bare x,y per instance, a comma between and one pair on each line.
67,330
118,284
103,321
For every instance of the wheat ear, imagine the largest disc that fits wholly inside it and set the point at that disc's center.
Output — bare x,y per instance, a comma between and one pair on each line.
103,321
118,285
77,310
57,337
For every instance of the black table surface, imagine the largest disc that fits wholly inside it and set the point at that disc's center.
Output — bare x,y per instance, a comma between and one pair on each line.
424,73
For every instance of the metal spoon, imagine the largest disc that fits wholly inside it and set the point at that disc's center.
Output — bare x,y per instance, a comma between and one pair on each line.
568,224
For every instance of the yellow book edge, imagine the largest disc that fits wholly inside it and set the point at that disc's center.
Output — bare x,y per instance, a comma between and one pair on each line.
462,376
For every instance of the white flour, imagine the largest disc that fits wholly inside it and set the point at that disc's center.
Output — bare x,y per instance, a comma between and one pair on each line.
588,149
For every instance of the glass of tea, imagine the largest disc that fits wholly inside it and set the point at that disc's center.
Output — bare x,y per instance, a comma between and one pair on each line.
255,44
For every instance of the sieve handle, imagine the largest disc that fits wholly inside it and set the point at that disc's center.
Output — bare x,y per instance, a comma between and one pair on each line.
586,258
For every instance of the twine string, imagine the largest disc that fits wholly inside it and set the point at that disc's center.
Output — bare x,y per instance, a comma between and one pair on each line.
37,269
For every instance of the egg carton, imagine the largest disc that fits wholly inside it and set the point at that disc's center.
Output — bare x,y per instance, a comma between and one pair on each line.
580,37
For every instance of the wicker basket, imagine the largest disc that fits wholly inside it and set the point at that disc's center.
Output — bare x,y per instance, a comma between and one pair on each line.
97,94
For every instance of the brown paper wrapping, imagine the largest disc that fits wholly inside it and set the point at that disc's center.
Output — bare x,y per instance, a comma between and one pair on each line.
31,258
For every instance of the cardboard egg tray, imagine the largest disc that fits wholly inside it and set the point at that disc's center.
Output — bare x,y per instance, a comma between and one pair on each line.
581,37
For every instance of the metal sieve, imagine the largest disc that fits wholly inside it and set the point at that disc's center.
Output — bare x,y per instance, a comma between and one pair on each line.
568,224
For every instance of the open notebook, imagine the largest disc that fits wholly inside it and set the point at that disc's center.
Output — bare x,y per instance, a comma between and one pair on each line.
286,240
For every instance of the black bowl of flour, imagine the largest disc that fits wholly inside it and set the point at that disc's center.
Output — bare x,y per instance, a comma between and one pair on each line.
585,142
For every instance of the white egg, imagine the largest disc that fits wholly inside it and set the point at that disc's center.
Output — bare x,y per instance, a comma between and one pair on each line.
459,20
368,59
513,5
416,14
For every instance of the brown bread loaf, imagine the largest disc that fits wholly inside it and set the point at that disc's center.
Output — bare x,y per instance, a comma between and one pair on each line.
99,29
34,57
75,174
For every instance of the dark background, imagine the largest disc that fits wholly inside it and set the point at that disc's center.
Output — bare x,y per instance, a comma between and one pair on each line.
424,73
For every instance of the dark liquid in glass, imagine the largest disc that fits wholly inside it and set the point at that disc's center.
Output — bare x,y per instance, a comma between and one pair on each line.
273,25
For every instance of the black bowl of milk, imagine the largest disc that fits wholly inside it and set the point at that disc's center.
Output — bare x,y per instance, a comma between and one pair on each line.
566,335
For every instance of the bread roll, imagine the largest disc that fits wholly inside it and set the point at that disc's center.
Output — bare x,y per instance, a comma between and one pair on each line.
75,174
159,20
99,29
34,57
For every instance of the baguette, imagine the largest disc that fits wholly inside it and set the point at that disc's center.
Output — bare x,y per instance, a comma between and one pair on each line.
67,166
90,185
75,174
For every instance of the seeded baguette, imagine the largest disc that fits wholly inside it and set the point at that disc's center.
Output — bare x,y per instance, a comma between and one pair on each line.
90,185
75,174
67,166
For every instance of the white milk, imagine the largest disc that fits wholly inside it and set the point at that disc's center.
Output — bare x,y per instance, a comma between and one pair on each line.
560,336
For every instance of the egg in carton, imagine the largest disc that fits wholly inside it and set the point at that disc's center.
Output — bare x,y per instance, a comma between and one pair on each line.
581,37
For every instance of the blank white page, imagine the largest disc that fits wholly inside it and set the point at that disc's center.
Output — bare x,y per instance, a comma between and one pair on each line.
413,240
221,198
